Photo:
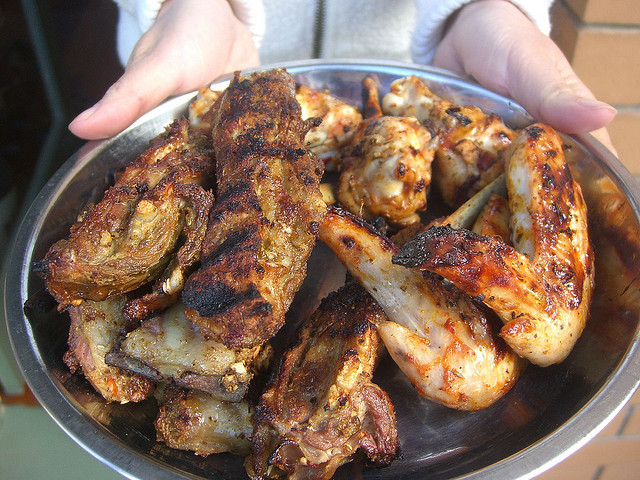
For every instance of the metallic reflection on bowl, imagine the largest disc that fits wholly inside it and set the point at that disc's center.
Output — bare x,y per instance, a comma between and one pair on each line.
548,414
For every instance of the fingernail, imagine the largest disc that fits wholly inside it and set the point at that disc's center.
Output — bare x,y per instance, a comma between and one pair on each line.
86,114
594,104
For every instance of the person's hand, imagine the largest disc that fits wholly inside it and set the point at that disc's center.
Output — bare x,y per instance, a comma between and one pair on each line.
496,44
190,44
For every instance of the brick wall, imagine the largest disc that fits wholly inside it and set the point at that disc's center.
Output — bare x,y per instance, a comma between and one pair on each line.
601,39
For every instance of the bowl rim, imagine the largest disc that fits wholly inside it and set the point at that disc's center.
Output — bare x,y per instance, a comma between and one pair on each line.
99,442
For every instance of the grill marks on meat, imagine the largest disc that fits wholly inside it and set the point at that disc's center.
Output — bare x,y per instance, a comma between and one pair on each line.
263,226
542,288
321,406
128,238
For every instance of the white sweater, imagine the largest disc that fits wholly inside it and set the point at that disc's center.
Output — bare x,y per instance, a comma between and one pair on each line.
286,30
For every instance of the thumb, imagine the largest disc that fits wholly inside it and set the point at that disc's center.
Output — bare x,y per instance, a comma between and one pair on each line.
547,87
137,91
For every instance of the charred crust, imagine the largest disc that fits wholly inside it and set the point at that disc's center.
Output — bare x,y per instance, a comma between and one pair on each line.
534,132
215,298
460,117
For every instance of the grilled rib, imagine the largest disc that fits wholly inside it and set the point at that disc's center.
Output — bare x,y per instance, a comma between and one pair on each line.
321,406
264,223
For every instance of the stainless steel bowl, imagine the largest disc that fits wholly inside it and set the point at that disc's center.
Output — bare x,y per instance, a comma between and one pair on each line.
549,414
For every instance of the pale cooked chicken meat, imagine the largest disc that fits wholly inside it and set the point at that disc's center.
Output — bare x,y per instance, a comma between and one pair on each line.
542,288
321,406
339,122
168,348
195,421
95,329
129,237
471,143
386,170
263,226
445,344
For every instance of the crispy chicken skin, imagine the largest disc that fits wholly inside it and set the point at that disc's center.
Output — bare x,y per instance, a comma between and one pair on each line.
339,122
321,406
191,420
127,239
446,344
386,170
95,329
542,288
471,143
263,226
494,219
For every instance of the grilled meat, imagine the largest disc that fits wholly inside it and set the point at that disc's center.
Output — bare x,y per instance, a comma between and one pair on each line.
494,219
202,111
128,238
542,288
321,406
189,420
263,225
95,329
386,169
168,348
446,344
339,122
471,143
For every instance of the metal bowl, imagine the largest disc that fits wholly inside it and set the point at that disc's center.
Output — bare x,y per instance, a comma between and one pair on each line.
549,414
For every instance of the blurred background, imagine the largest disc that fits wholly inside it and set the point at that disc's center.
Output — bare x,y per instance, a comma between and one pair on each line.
57,57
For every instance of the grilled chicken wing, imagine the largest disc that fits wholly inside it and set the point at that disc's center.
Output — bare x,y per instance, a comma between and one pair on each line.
321,406
95,329
542,288
168,348
189,420
202,111
263,226
128,238
494,219
471,143
442,341
386,169
339,122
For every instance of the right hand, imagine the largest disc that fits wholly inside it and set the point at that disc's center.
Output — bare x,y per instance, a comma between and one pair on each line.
191,43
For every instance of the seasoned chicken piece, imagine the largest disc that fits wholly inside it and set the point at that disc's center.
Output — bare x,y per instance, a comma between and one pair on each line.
201,110
339,122
542,288
386,169
189,420
446,345
95,329
263,226
168,348
494,219
321,406
128,238
471,143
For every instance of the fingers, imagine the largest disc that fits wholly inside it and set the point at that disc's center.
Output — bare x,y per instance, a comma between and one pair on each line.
495,43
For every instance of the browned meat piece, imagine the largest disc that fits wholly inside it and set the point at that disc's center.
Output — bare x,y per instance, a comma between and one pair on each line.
263,226
321,406
189,420
542,288
168,348
386,169
201,110
127,239
446,345
494,219
95,329
471,143
339,122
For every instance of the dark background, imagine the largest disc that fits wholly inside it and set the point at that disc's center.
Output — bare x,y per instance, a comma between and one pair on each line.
57,57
